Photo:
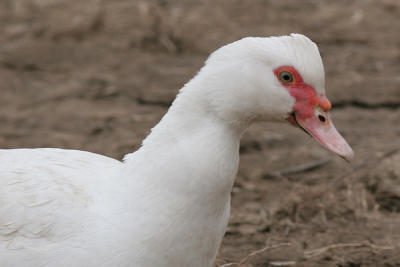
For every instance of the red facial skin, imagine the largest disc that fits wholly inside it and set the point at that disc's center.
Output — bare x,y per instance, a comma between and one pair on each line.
306,97
310,112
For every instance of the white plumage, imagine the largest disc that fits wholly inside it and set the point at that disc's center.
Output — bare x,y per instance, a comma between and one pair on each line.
168,203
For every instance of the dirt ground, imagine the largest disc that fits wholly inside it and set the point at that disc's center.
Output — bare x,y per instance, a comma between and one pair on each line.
96,75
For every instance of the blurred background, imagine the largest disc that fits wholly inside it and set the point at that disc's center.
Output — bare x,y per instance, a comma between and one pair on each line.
96,75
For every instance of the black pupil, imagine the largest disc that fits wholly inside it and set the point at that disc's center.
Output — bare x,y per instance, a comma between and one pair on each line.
321,118
286,77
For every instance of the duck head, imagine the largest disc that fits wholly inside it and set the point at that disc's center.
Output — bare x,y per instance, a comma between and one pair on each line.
271,79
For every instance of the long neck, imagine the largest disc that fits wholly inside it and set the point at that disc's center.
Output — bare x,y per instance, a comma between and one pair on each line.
192,144
185,171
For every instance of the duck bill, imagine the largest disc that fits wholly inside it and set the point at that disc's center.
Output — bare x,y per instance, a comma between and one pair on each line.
321,128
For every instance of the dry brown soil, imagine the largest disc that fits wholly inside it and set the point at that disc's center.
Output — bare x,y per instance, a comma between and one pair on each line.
97,75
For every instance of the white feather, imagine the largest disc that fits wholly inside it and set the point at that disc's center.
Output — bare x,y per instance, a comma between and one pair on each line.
168,203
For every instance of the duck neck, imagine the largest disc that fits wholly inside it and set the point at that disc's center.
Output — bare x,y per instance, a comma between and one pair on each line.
190,163
192,144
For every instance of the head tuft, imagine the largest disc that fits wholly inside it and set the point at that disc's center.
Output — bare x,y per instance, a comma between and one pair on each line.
294,50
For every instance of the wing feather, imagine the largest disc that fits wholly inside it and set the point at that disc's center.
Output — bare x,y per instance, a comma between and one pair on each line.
44,193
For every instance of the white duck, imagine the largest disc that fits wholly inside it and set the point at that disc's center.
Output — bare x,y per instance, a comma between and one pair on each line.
168,203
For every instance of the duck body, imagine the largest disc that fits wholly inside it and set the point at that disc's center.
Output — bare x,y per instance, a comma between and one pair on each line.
75,208
168,203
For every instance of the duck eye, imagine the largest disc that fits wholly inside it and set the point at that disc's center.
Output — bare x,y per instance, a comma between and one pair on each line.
286,77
